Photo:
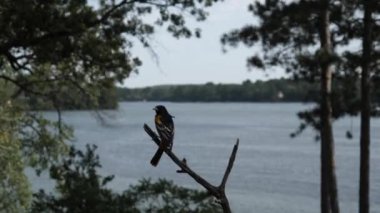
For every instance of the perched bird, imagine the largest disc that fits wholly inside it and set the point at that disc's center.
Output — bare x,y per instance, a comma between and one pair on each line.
165,128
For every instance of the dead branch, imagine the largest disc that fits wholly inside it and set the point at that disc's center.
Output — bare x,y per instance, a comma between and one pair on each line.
217,191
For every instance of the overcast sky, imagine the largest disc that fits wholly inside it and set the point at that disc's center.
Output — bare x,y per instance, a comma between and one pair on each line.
197,61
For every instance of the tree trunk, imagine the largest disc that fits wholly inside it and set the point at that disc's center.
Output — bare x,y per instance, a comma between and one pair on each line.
365,111
325,204
329,191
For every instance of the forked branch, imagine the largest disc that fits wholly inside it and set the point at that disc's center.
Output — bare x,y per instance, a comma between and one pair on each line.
217,191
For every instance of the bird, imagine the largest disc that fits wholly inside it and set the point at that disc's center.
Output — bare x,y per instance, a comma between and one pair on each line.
165,128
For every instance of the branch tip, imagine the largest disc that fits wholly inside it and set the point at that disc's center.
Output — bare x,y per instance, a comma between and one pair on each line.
229,166
217,192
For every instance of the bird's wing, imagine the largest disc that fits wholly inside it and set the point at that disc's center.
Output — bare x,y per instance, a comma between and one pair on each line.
166,130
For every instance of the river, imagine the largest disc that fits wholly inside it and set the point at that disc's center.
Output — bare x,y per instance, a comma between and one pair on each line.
272,173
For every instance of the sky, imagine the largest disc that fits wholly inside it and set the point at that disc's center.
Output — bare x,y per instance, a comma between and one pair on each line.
198,61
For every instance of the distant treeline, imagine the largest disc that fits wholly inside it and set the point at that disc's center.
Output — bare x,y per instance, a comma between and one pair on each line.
279,90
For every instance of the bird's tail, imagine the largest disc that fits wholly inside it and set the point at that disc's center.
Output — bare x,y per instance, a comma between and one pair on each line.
156,158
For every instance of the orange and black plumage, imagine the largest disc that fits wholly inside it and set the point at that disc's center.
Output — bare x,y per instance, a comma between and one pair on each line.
165,128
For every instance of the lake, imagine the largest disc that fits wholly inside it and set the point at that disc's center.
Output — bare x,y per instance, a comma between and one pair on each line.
272,172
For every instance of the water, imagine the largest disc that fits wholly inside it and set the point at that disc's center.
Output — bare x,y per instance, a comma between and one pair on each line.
272,172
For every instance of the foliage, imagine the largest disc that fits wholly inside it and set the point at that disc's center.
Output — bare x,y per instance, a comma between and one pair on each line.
53,46
65,53
81,189
14,187
26,139
292,44
305,44
279,90
165,196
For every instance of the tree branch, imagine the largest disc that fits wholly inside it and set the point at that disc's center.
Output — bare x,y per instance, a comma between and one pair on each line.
217,191
21,86
177,161
62,33
230,165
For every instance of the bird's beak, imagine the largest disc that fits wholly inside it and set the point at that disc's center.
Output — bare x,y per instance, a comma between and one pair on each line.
155,109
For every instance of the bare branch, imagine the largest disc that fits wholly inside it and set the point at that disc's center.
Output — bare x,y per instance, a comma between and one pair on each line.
14,62
107,14
230,165
216,191
182,165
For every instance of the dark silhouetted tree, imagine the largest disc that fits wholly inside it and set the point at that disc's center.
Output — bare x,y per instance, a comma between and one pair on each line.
301,38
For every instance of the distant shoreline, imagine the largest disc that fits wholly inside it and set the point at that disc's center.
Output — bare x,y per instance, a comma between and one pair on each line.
271,91
220,102
163,102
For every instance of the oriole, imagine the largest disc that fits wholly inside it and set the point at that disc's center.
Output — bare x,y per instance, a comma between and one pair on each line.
165,128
